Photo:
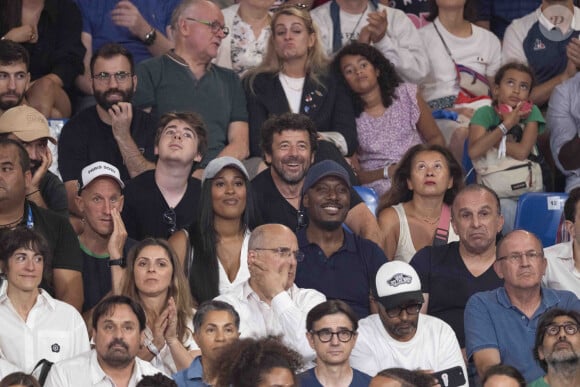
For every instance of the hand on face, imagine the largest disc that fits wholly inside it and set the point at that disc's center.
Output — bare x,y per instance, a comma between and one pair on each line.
269,273
119,235
121,115
40,169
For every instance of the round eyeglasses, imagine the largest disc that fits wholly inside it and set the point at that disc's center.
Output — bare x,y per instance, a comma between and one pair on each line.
325,335
569,328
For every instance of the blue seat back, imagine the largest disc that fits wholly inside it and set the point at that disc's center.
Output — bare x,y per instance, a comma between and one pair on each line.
369,196
540,213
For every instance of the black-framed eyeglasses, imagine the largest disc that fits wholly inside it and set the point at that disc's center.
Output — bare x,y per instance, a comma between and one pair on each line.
215,26
120,76
170,219
325,335
514,258
412,309
554,329
284,252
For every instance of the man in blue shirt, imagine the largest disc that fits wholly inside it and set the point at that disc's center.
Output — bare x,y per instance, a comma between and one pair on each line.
500,324
337,263
331,331
215,324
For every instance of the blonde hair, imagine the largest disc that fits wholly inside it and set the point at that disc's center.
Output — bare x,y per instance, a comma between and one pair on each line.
178,287
316,62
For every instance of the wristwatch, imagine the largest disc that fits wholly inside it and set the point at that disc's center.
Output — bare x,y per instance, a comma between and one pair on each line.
150,37
118,262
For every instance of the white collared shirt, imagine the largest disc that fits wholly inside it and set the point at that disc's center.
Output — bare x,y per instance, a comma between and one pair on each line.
286,315
54,331
84,370
561,272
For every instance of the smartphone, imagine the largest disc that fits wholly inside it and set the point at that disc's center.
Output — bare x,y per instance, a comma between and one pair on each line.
451,377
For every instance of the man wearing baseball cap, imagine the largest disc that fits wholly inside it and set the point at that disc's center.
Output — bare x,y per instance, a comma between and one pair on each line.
103,241
28,126
398,336
337,263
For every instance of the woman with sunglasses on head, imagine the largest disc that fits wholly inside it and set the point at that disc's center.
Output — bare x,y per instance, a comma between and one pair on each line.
295,76
154,277
245,45
215,248
391,114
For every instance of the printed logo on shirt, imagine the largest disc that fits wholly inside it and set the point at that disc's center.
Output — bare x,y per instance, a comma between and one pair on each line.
539,45
55,348
400,279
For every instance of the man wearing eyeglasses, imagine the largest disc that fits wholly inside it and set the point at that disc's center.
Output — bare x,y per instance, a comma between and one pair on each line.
337,263
184,79
112,131
500,324
269,303
331,332
557,349
398,336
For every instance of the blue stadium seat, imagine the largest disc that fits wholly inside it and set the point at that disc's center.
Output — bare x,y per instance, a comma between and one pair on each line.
369,196
540,213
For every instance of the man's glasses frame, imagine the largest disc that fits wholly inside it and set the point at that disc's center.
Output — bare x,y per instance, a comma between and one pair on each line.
170,219
554,329
215,26
325,335
411,310
105,77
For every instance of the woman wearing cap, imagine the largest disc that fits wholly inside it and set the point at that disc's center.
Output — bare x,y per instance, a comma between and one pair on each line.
215,252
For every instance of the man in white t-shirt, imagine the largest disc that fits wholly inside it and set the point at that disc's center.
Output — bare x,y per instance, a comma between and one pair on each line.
398,336
563,270
367,21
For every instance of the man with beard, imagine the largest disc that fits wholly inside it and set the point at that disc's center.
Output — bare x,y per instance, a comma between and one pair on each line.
467,264
557,349
399,336
337,263
100,201
289,142
29,127
270,303
112,131
14,75
500,324
118,331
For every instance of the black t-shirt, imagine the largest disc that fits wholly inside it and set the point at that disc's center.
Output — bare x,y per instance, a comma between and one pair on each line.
449,283
86,139
273,208
61,238
54,194
97,275
145,206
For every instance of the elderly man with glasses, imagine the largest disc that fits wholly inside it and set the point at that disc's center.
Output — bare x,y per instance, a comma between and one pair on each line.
398,336
500,324
184,79
269,303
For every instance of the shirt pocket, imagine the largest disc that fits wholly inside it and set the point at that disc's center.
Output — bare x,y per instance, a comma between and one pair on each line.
53,345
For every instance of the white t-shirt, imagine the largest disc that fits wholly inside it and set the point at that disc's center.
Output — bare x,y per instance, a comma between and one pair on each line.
434,347
480,52
54,331
561,272
401,44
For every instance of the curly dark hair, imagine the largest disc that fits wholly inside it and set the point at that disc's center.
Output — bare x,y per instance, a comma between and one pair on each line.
245,362
400,192
505,370
388,78
157,380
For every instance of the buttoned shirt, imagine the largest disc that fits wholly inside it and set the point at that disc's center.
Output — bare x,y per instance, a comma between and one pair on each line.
191,376
53,330
85,371
561,272
285,315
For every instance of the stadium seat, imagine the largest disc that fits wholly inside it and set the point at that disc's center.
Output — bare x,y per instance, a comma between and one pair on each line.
540,213
369,196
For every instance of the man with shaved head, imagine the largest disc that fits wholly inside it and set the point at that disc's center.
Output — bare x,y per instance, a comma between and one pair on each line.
500,324
269,303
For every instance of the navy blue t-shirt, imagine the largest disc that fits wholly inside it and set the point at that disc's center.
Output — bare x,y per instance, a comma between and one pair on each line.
308,379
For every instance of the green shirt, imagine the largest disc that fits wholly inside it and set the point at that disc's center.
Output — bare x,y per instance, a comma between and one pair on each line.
487,117
540,382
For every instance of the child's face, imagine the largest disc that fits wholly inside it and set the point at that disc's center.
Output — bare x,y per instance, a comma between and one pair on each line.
513,88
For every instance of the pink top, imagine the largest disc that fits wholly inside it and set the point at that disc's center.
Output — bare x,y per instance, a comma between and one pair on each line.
385,139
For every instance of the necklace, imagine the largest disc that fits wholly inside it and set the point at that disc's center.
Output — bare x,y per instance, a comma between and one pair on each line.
296,84
429,220
351,37
11,225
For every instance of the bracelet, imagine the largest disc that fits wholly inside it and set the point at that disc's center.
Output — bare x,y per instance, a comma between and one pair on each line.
152,348
386,172
503,129
150,37
32,193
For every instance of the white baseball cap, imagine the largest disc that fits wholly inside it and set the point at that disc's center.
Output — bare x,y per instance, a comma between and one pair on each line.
99,169
397,283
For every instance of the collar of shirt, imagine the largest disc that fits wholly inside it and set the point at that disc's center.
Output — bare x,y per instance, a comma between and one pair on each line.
195,370
549,299
348,244
249,294
547,24
97,374
43,299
